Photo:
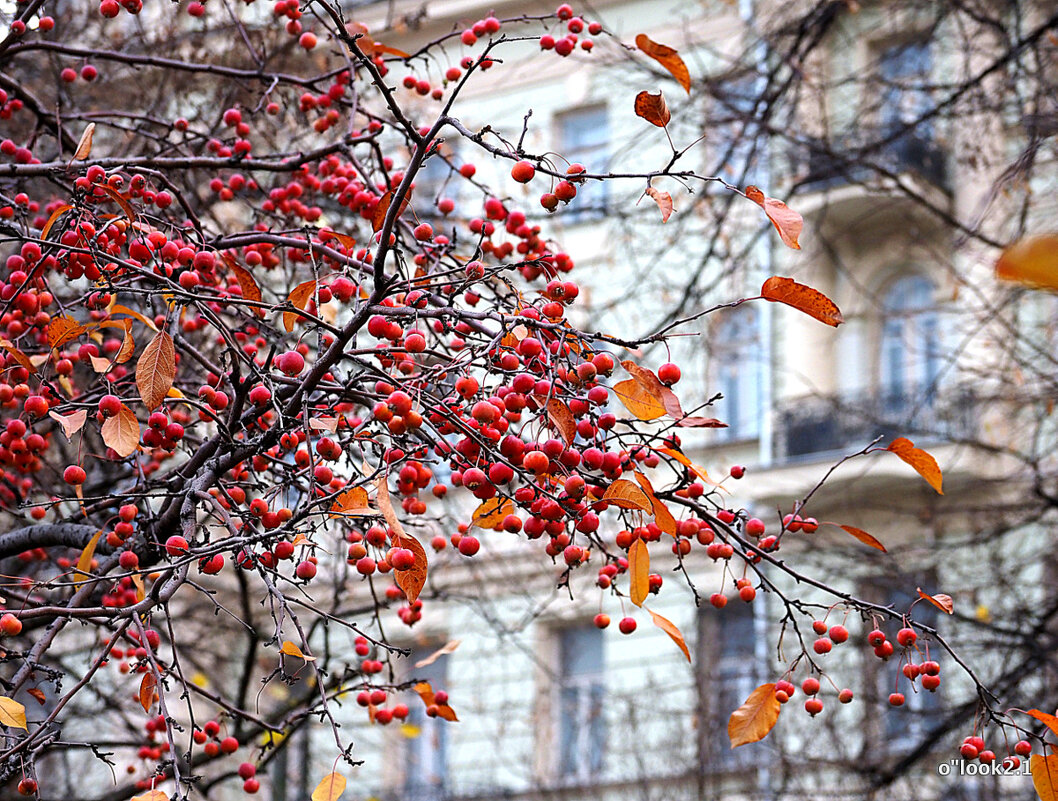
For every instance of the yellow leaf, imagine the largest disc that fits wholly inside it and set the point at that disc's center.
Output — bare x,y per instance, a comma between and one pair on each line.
1044,771
410,731
786,221
925,465
290,649
626,495
1032,261
141,590
12,713
638,401
490,513
70,423
84,561
299,299
753,720
330,787
156,370
803,298
117,308
122,432
638,572
669,628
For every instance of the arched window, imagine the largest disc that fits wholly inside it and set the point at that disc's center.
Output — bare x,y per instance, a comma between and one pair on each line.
910,353
736,370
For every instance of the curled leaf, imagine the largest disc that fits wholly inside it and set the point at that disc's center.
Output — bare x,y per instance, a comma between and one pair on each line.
19,356
923,463
667,57
803,298
786,221
55,215
943,602
653,108
664,201
752,721
378,219
412,580
1049,720
148,691
84,146
669,628
662,516
84,561
701,422
862,536
447,648
638,572
70,423
63,329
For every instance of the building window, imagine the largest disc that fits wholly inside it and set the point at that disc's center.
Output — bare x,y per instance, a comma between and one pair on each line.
584,138
580,695
910,355
426,752
735,351
904,73
727,675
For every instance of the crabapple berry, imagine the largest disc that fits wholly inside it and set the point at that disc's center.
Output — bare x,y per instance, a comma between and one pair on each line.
627,625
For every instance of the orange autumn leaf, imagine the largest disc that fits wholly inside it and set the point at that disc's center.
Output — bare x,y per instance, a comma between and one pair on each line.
412,580
19,356
752,721
12,713
664,201
448,648
63,329
638,572
562,420
1032,261
803,298
122,432
786,221
923,463
1044,771
626,495
156,370
352,501
378,219
667,57
84,561
426,693
670,628
653,108
662,516
148,691
943,602
1049,720
638,400
291,649
55,215
299,299
862,536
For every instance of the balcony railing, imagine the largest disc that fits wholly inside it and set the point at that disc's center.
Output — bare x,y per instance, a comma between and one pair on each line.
815,425
827,164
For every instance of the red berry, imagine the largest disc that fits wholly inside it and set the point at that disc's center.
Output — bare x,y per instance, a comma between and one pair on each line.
229,745
669,374
10,625
813,706
896,699
291,362
845,696
839,634
305,570
906,637
523,171
176,546
627,625
1023,748
822,646
601,621
74,474
810,685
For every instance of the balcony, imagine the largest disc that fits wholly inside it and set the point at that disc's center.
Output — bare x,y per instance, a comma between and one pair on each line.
817,425
828,164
